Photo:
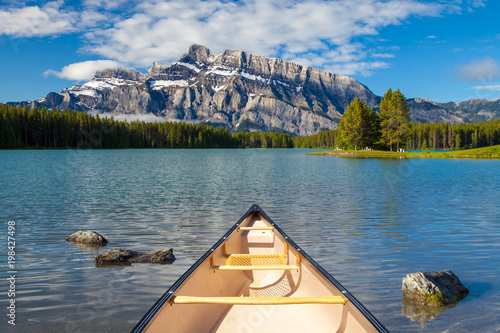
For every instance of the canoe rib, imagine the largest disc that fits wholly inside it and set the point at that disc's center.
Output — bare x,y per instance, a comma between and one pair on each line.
258,300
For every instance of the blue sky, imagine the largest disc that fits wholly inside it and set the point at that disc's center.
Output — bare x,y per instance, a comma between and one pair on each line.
442,50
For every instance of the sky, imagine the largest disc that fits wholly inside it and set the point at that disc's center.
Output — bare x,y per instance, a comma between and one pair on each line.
445,50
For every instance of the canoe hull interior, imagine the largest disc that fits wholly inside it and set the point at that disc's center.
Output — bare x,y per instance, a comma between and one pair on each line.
298,278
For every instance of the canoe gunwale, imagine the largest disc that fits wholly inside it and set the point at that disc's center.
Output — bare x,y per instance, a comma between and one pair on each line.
165,298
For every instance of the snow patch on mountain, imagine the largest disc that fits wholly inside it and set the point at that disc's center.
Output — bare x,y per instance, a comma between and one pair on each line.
190,66
160,84
222,70
254,77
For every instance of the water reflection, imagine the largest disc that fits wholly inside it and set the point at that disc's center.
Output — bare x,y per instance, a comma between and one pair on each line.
91,248
422,313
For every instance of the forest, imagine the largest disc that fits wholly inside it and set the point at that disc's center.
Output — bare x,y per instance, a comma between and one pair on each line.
44,128
424,136
21,127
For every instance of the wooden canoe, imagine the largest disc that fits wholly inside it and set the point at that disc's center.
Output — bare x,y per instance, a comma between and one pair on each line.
256,279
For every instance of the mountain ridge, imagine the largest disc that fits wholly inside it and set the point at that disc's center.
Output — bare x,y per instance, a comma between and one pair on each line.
243,92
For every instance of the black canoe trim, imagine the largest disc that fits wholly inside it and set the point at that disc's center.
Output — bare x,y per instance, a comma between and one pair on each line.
255,208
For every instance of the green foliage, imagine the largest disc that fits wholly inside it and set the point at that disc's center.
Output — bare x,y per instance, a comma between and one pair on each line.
43,128
394,118
358,127
453,136
492,152
324,139
263,140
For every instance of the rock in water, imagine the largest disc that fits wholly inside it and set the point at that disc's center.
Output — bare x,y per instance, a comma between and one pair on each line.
434,288
127,257
87,237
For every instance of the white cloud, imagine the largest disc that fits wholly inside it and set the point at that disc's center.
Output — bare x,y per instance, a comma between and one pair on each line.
147,118
485,70
37,21
490,87
383,55
82,71
303,30
364,68
477,3
316,32
106,4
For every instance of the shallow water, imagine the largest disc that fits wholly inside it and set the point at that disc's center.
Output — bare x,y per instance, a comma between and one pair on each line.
366,221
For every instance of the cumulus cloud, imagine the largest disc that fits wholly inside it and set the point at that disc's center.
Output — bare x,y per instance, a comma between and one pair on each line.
364,68
31,21
81,71
484,70
316,32
303,30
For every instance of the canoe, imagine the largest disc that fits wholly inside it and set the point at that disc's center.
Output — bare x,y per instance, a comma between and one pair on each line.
256,279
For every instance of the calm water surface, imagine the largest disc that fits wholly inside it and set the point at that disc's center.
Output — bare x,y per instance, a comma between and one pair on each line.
366,221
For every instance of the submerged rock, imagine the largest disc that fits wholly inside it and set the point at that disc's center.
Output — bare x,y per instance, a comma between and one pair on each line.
87,237
127,257
434,288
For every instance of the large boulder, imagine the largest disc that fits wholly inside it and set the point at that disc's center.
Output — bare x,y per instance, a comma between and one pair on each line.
127,257
87,237
434,288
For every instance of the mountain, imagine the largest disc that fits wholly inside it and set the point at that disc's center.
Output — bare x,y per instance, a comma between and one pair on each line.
473,110
240,91
235,89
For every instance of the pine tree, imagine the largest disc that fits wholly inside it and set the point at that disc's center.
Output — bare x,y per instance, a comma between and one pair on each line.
358,126
395,117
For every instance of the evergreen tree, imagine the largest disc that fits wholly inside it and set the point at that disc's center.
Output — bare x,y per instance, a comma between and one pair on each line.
358,126
395,117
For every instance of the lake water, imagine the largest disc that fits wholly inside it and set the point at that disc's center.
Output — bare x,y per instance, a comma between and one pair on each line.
368,222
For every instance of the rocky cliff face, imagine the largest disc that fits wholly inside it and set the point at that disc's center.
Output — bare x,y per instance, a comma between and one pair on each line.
424,110
238,90
235,89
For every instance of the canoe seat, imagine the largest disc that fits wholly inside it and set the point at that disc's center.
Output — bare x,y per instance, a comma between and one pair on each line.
258,300
256,262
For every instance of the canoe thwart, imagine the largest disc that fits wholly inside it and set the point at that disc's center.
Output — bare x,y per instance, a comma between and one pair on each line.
258,300
253,268
255,228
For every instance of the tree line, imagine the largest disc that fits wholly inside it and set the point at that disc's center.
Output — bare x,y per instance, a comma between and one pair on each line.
361,127
423,136
44,128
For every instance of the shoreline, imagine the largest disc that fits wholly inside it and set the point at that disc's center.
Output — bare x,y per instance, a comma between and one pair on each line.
492,152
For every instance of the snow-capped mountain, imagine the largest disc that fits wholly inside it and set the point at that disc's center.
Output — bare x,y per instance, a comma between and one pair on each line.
234,89
238,90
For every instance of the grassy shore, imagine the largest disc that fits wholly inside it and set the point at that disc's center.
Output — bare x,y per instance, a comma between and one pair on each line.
492,152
